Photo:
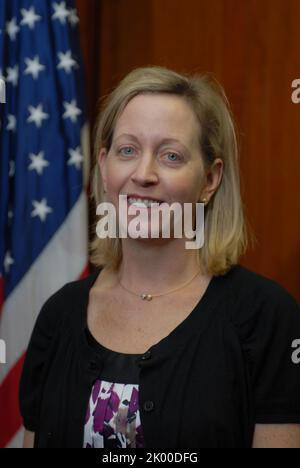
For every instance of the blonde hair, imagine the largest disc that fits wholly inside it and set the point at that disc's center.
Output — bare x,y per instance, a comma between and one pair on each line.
226,234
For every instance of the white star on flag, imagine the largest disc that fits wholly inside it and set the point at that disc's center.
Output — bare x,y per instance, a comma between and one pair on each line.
66,61
72,111
34,67
12,75
61,12
8,261
38,163
12,29
29,17
12,123
37,115
41,209
73,18
76,158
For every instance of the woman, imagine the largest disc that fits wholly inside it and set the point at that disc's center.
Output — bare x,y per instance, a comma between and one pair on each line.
164,346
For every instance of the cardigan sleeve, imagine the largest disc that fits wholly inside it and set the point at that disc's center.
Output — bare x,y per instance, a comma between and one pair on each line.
38,358
271,340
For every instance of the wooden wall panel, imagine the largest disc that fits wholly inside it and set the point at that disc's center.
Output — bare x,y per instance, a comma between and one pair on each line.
251,47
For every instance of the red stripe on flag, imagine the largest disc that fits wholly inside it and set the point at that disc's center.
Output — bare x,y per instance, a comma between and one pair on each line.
11,420
85,272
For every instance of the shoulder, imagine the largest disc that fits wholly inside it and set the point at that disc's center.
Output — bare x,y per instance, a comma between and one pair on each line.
259,298
70,298
74,290
244,282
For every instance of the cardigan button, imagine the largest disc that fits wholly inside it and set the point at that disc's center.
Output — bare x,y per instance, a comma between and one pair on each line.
143,358
93,366
146,356
148,406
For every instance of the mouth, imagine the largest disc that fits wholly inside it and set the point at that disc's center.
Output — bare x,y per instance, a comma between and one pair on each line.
143,204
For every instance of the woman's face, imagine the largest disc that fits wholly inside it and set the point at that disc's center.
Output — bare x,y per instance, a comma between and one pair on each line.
155,152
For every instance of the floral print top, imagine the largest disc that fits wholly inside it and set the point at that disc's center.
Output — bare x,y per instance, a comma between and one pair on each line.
113,416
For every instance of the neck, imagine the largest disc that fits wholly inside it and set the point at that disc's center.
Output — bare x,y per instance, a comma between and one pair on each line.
156,265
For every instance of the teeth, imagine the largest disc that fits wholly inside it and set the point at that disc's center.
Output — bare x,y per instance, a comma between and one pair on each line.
138,202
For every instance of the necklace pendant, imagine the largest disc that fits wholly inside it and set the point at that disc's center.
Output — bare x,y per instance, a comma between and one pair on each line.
146,297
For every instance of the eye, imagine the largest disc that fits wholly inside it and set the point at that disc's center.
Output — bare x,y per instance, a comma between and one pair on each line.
126,151
175,157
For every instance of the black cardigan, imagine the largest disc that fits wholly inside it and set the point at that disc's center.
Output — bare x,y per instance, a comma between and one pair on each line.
229,365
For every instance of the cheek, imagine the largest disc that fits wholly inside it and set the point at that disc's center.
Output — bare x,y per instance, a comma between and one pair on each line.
115,178
197,182
186,189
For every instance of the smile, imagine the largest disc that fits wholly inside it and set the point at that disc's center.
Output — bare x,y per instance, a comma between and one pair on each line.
139,203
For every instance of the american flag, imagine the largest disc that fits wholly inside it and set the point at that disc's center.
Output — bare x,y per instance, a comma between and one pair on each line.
43,205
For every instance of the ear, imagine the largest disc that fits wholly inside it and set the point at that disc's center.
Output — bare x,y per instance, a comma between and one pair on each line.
213,179
102,166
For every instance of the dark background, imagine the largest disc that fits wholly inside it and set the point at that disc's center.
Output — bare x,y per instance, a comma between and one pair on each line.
252,48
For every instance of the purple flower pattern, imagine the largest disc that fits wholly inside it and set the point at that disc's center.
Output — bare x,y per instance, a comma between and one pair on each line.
113,417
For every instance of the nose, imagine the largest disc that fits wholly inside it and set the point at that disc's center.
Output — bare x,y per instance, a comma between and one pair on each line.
145,172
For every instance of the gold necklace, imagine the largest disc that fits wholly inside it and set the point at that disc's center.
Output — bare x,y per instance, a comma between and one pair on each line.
149,297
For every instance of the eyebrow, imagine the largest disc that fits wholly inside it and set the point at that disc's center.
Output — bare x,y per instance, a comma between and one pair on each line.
163,141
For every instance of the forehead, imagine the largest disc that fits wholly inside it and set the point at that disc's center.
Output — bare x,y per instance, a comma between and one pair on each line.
154,116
